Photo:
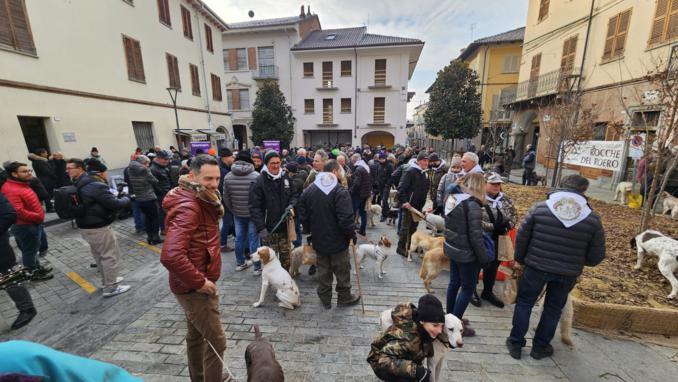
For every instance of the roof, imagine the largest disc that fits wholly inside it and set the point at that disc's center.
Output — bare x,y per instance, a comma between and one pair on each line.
207,12
350,38
266,23
515,35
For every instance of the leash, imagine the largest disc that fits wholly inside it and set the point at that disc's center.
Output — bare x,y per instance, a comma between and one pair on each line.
231,377
282,218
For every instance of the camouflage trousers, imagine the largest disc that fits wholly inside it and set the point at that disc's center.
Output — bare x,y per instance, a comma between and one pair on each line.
281,246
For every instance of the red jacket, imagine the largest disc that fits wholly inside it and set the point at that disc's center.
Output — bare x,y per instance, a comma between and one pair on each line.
191,251
24,200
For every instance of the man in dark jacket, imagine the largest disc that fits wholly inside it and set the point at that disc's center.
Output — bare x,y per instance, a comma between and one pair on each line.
101,208
17,292
384,183
272,196
45,172
412,192
298,177
529,163
437,169
226,160
360,189
143,182
557,238
326,214
160,170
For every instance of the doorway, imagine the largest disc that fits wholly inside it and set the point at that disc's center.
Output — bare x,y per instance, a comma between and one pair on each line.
34,132
240,133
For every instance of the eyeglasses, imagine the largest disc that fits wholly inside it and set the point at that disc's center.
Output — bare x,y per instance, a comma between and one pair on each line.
25,171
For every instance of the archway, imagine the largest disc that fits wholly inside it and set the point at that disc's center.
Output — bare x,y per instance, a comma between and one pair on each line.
523,133
228,139
378,138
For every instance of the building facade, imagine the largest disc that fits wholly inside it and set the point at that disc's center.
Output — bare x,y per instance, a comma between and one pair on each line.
602,50
71,89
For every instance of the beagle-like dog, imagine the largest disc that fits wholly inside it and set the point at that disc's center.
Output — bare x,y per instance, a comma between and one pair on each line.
274,274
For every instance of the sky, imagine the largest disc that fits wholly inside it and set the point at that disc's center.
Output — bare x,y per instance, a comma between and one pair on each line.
446,26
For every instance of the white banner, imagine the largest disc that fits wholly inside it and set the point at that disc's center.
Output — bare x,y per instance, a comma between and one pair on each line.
606,155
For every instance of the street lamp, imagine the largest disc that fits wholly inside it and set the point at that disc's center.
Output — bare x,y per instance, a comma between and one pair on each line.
174,103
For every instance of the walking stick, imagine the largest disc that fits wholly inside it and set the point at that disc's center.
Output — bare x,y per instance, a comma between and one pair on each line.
357,277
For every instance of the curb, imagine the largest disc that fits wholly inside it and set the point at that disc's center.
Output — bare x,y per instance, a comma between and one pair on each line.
625,318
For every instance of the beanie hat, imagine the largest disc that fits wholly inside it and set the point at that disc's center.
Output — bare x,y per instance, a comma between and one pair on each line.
225,153
270,155
430,309
95,165
256,153
422,155
163,154
292,167
301,160
383,155
433,157
244,156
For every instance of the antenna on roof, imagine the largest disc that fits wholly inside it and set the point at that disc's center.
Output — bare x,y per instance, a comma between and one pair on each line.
250,13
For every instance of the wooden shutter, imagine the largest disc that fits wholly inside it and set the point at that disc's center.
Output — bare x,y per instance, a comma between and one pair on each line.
235,99
195,80
216,88
659,20
610,37
15,29
164,13
672,27
186,21
252,58
569,52
135,63
173,70
208,38
622,31
534,70
543,9
233,59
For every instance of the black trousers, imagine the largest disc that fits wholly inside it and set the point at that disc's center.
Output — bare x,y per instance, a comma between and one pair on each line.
527,176
385,193
384,376
151,217
490,276
22,299
407,229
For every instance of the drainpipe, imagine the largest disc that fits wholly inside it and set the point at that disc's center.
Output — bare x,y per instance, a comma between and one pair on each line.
289,69
204,72
355,94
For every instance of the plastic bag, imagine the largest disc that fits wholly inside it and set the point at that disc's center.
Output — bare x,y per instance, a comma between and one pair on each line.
635,201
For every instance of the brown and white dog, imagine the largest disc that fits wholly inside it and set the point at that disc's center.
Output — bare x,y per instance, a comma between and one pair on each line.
274,274
665,248
670,203
540,179
421,241
453,329
379,252
302,255
622,192
260,360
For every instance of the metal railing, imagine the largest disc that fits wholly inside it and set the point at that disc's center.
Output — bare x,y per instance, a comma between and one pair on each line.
498,115
265,72
543,85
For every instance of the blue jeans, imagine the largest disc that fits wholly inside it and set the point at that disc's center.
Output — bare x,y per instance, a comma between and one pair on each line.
557,289
359,206
245,232
226,226
139,224
28,240
464,276
43,240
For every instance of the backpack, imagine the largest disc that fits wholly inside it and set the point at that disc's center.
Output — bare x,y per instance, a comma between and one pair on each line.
488,242
67,202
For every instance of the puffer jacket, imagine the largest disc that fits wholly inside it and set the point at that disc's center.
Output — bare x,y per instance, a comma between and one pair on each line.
59,166
142,182
464,233
361,183
443,185
101,206
191,249
529,161
162,174
400,349
25,202
268,200
434,176
545,244
43,170
413,187
7,218
237,186
384,175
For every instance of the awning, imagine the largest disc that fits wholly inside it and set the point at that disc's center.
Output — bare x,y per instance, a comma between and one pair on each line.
195,136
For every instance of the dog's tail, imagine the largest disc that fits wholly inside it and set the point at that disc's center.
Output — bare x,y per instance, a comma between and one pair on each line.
257,332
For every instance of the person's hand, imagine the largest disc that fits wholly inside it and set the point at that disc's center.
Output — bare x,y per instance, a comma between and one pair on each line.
263,234
407,206
288,208
354,238
518,269
208,288
422,374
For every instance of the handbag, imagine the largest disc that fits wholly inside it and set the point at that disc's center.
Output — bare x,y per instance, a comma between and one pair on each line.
505,249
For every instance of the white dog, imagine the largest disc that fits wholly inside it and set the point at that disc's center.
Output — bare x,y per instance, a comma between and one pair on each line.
377,251
436,222
623,191
273,273
453,329
670,203
375,210
664,247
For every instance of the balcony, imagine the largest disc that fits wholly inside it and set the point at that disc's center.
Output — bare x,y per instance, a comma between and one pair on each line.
500,115
265,72
544,85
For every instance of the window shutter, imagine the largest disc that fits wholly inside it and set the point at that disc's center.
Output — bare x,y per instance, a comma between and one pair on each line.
536,63
672,28
610,37
129,57
235,96
216,88
543,9
163,12
186,21
195,80
659,20
208,38
622,30
138,61
252,58
6,37
15,30
232,59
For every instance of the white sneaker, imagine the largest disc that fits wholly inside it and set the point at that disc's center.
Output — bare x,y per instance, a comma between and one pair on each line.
257,272
245,265
119,279
118,290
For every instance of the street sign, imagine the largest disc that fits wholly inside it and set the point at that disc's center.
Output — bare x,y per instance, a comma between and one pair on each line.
606,155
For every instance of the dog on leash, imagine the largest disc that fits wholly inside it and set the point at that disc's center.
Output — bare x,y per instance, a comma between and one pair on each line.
260,360
377,251
622,192
274,274
392,216
421,241
374,210
665,248
433,263
453,329
670,203
302,255
436,222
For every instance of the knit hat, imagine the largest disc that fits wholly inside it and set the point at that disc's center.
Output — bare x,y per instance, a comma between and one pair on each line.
270,155
244,156
292,167
301,160
225,152
494,178
256,153
95,165
383,155
433,157
430,309
422,155
163,154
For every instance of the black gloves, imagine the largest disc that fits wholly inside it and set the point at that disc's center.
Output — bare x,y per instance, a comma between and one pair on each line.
423,375
500,228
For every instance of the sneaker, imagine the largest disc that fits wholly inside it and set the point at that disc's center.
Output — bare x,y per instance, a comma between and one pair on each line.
39,274
256,272
475,300
118,290
327,305
492,299
24,318
45,268
514,350
119,279
43,253
243,266
352,300
539,353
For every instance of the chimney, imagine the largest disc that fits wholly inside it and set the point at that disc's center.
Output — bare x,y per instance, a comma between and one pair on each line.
308,10
302,14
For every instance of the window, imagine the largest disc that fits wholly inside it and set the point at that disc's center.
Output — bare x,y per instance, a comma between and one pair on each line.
380,72
511,64
308,69
143,133
244,99
346,68
645,119
327,110
615,39
379,108
569,52
241,58
238,99
266,59
216,87
235,59
208,38
164,13
186,21
173,71
309,106
135,64
15,29
534,69
665,22
345,105
543,9
599,131
327,74
195,80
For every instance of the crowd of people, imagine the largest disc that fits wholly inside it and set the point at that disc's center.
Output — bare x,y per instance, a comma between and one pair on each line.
192,205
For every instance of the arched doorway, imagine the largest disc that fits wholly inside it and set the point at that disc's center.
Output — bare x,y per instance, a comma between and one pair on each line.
378,138
228,139
523,133
240,135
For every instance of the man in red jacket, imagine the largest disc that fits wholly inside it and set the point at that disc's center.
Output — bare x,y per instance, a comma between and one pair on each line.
29,217
192,255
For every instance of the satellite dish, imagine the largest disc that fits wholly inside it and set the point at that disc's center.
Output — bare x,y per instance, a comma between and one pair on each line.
250,13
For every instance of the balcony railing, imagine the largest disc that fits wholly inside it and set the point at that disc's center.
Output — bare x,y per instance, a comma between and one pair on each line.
500,115
546,84
265,72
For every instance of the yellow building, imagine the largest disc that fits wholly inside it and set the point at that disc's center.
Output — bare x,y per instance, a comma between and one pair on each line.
600,48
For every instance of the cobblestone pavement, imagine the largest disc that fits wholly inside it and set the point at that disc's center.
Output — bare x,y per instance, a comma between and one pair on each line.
143,330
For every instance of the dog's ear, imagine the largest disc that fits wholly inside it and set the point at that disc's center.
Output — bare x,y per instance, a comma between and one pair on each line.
633,243
264,254
386,242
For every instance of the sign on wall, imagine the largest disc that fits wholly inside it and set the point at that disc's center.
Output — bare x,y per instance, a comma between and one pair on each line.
68,137
606,155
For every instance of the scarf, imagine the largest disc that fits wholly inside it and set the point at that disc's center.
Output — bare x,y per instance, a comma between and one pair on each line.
274,177
477,168
568,207
454,200
213,198
325,181
495,202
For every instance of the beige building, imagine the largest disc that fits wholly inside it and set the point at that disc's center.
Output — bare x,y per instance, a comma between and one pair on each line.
601,48
78,74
